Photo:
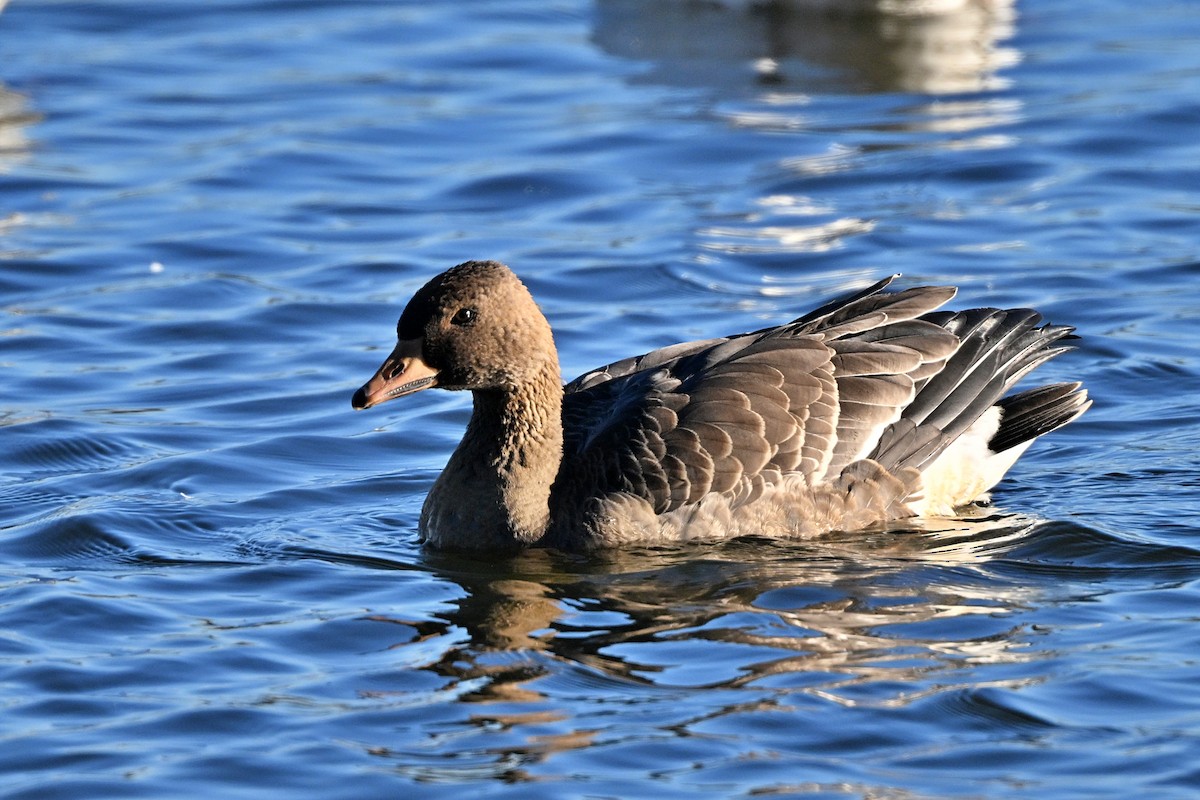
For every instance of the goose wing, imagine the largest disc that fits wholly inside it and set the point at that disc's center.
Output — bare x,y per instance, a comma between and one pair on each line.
734,414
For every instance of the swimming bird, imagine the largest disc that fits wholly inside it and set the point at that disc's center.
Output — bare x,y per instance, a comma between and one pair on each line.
874,407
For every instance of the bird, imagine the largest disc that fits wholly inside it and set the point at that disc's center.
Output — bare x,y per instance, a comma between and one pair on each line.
873,408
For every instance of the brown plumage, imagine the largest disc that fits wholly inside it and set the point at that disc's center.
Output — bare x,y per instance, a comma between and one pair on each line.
871,408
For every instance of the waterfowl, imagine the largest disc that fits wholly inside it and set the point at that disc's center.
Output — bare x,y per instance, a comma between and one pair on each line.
871,408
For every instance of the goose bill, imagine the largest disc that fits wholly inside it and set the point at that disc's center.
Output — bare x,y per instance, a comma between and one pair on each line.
403,372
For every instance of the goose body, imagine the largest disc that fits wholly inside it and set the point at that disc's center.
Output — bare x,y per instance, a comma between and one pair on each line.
874,407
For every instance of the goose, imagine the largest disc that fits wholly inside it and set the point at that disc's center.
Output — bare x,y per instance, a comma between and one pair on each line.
873,408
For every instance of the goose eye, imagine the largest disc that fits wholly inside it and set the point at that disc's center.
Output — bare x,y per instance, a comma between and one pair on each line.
464,316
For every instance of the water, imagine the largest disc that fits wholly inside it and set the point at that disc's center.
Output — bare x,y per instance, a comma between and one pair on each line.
211,215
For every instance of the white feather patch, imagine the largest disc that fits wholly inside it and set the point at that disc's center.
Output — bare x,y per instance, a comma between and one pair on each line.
966,470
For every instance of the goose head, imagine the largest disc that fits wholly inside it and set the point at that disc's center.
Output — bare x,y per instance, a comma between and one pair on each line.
473,327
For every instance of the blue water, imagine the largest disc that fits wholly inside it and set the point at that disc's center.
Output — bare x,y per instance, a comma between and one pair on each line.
211,214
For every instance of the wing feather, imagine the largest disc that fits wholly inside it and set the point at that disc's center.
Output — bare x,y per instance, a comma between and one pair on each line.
875,375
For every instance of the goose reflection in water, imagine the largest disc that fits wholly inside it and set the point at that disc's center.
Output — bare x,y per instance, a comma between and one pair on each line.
15,120
925,46
853,621
763,63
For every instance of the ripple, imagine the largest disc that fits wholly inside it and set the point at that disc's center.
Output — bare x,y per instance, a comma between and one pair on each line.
56,446
89,533
992,706
1077,550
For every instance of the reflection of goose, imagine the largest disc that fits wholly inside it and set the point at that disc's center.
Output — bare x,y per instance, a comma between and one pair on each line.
871,408
15,117
796,623
821,608
932,46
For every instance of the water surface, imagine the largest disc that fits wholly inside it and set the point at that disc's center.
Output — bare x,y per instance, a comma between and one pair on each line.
212,214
